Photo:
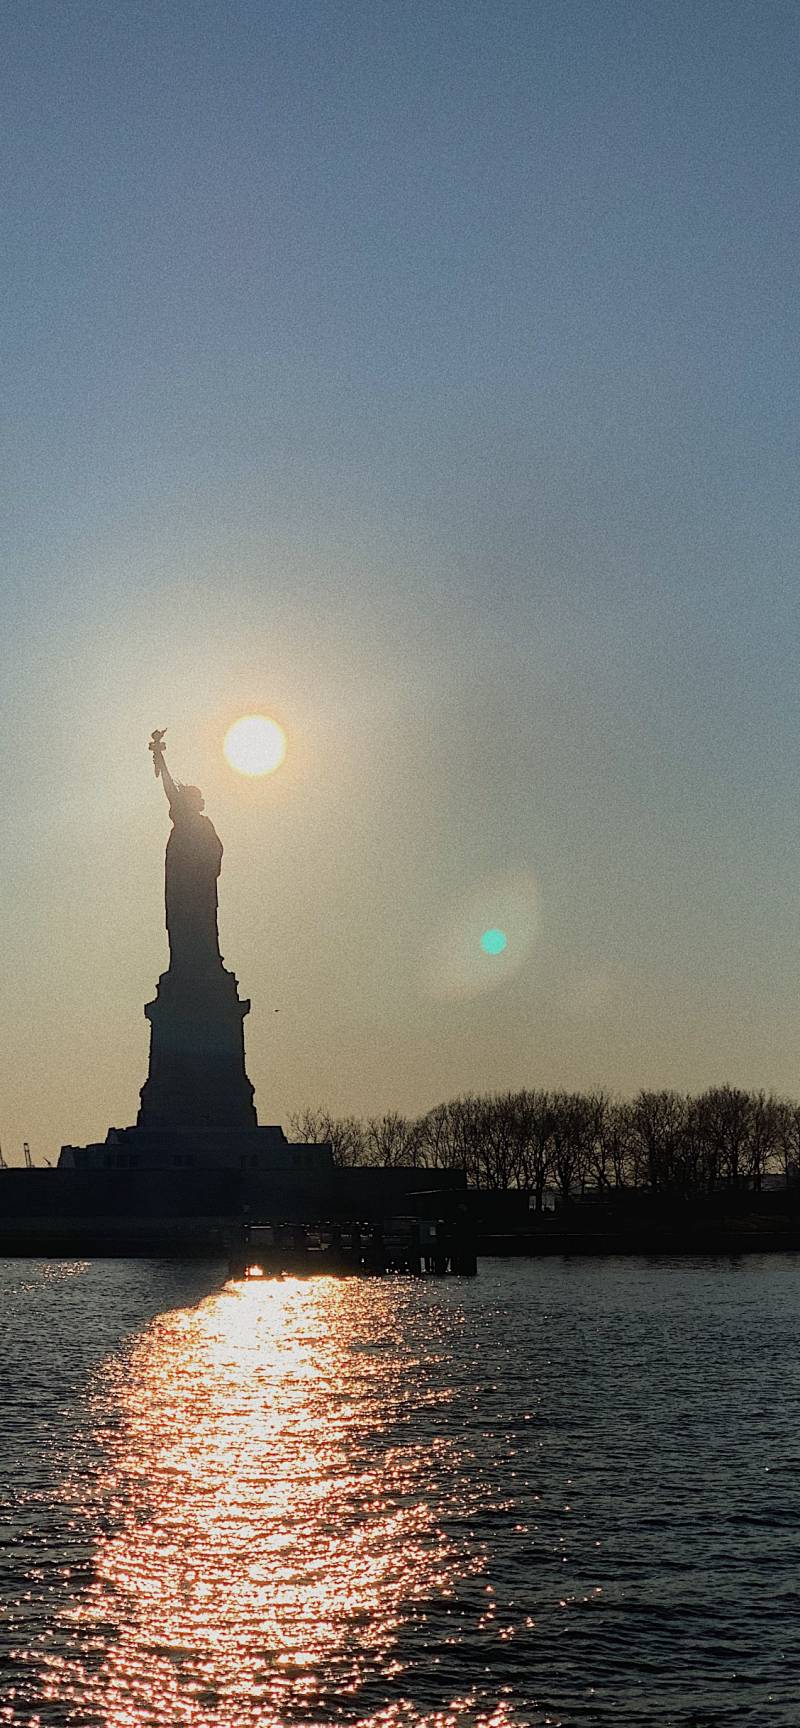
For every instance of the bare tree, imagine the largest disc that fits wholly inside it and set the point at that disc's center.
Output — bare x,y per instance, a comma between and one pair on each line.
765,1137
535,1129
435,1138
725,1116
466,1134
788,1138
573,1122
612,1161
595,1162
659,1127
393,1141
498,1150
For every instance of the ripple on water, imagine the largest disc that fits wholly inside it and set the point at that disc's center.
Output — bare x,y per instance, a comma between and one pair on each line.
563,1493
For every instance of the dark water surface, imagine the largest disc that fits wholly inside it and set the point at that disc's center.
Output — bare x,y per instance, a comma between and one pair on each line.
562,1493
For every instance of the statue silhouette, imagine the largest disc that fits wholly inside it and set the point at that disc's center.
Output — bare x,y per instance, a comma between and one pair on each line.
196,1076
194,854
192,867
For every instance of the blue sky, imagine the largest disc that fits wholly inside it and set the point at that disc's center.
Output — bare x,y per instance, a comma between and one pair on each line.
427,375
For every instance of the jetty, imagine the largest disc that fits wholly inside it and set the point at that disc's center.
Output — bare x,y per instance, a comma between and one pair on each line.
407,1246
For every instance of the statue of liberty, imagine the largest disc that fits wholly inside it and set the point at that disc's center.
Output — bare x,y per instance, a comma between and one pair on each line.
192,867
197,1076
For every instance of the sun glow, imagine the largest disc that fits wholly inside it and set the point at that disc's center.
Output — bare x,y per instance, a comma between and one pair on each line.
255,745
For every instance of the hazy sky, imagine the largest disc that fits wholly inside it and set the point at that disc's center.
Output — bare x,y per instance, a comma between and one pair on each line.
425,375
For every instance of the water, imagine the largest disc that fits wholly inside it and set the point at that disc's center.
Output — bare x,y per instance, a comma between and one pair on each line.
564,1493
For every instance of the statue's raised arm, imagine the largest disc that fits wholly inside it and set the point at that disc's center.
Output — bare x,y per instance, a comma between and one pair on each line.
160,769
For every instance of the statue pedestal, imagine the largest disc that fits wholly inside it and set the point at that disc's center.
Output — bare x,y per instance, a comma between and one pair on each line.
197,1076
197,1149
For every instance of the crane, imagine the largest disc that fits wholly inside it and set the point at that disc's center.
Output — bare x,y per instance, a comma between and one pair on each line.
27,1155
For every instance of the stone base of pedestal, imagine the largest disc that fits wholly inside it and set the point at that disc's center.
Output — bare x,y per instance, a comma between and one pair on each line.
263,1149
197,1076
223,1172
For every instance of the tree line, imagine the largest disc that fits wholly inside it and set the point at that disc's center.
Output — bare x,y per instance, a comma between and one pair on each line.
580,1142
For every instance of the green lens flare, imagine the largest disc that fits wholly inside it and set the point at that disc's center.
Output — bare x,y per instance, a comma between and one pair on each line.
494,941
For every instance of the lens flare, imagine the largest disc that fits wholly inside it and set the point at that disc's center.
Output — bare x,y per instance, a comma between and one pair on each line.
455,961
255,745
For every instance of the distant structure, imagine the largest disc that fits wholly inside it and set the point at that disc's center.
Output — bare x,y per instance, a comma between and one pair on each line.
196,1106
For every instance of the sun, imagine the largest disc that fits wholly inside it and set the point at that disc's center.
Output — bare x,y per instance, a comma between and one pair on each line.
255,745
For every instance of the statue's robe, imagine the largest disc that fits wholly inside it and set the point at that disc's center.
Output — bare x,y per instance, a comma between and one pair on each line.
194,857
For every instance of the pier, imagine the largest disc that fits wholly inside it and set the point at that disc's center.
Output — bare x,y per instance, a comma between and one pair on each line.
408,1246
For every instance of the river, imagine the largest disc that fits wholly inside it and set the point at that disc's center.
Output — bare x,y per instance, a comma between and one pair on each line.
565,1492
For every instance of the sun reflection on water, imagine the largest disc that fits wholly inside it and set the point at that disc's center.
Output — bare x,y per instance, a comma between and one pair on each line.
263,1526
